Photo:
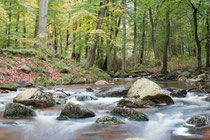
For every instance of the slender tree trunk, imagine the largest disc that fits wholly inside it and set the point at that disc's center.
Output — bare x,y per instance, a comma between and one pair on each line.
55,40
17,28
124,41
198,43
42,24
74,38
24,30
154,37
9,25
143,39
207,41
61,42
135,34
165,56
91,56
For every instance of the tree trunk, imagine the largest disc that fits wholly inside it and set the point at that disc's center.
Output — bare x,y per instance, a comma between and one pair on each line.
124,41
207,41
42,24
24,30
55,40
61,43
198,43
17,28
74,38
154,38
135,34
9,25
165,56
91,56
143,39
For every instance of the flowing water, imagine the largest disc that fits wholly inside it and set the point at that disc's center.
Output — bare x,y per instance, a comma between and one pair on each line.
165,122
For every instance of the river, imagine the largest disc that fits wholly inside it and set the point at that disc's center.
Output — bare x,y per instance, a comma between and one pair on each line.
165,122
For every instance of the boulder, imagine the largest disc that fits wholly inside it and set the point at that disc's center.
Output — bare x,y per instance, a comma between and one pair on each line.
119,91
84,97
89,89
61,118
145,89
135,139
15,110
180,93
185,74
135,103
108,120
12,87
101,82
35,97
25,69
194,80
199,120
202,76
72,110
129,113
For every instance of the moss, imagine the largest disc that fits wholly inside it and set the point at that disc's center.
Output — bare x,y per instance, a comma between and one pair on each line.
40,71
44,81
61,118
12,87
109,120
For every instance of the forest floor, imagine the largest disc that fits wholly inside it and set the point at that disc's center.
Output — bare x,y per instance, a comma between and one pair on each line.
26,70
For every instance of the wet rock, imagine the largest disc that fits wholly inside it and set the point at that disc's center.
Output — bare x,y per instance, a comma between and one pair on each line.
108,120
182,78
12,87
207,99
194,80
61,118
84,97
199,120
135,139
185,74
117,74
145,89
101,82
135,103
89,89
72,110
35,97
15,110
180,93
129,113
119,91
202,76
25,69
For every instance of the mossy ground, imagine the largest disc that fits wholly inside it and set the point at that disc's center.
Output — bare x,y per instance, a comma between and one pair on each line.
47,71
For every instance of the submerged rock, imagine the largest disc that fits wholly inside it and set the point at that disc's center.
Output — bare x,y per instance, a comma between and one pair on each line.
84,97
119,91
16,110
12,87
135,103
135,139
89,89
72,110
129,113
145,89
61,118
101,82
199,120
35,97
180,93
108,120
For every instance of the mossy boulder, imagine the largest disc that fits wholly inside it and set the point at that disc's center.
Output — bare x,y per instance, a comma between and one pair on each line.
180,93
145,89
129,113
199,120
135,103
119,91
185,74
108,120
12,87
72,110
61,118
35,97
16,110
